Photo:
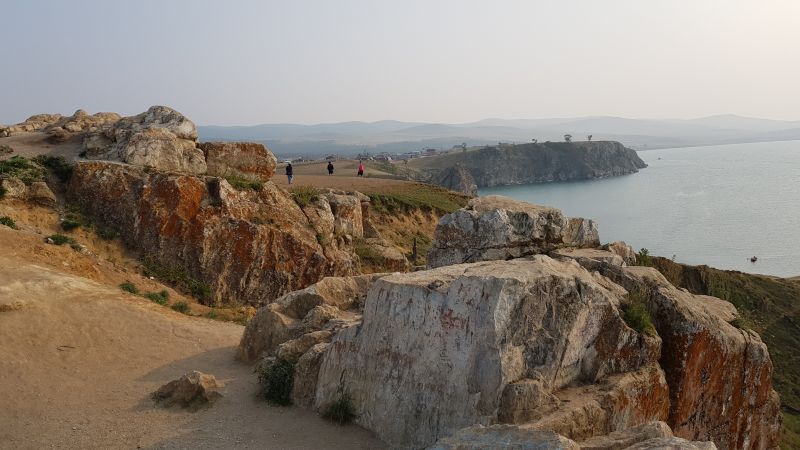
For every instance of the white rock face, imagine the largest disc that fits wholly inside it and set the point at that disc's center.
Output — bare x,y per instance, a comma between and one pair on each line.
480,437
161,138
498,228
438,348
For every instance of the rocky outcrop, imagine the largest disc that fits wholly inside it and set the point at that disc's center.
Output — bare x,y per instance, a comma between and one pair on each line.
192,390
623,250
719,376
456,178
447,348
247,247
498,228
243,159
304,312
480,437
60,128
160,138
37,192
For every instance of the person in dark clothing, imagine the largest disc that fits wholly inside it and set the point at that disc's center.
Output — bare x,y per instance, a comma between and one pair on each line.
330,167
289,172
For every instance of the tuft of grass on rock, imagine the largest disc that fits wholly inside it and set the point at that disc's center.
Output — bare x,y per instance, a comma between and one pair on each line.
241,183
60,239
304,195
129,287
178,278
181,307
341,410
636,314
276,381
9,222
106,233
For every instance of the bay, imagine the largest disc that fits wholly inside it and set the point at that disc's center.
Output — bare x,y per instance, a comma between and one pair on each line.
714,205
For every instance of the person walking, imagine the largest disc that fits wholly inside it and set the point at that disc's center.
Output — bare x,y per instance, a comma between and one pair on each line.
289,172
330,167
360,169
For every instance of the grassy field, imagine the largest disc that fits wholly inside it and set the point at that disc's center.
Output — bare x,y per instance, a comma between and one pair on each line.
769,306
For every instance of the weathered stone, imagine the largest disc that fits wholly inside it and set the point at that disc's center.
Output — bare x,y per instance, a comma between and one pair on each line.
245,159
294,349
192,390
14,188
246,246
301,312
620,440
720,377
594,254
672,443
507,437
160,138
623,250
384,257
498,228
457,178
438,347
39,192
306,372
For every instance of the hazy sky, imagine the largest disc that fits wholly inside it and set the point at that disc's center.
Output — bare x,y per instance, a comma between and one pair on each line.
248,62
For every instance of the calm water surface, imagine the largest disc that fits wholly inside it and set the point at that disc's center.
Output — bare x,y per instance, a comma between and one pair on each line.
715,205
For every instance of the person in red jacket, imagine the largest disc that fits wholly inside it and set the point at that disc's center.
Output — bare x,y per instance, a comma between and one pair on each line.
360,169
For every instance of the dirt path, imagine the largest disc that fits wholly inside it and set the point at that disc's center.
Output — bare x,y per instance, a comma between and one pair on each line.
79,358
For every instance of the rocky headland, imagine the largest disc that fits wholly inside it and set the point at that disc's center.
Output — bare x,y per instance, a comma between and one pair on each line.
508,164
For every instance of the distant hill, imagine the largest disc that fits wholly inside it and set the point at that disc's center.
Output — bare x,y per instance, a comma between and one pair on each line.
396,136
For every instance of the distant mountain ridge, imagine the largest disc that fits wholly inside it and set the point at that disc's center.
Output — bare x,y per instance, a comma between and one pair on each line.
398,136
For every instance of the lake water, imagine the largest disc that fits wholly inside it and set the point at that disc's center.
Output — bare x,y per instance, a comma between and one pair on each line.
715,205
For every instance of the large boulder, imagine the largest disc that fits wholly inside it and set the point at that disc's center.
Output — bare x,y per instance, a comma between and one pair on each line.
457,178
498,228
303,312
439,348
507,437
36,192
192,390
243,159
237,247
160,138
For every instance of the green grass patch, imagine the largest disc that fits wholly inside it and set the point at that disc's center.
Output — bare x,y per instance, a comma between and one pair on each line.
60,239
129,287
636,314
181,307
178,278
341,410
2,191
9,222
276,381
417,196
791,431
56,164
158,297
26,170
105,233
304,195
241,183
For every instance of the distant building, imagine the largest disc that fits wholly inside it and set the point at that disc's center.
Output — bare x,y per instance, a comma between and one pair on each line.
331,158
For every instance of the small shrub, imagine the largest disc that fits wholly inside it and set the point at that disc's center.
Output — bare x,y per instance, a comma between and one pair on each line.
2,191
276,382
178,278
5,150
742,322
129,287
240,183
56,164
340,411
320,239
644,258
158,297
69,225
60,239
636,314
182,307
305,195
9,222
212,315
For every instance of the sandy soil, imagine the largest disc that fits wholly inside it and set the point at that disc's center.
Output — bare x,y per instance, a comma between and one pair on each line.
79,359
32,144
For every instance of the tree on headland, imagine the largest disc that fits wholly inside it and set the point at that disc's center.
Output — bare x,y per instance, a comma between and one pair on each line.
567,138
590,138
534,140
464,147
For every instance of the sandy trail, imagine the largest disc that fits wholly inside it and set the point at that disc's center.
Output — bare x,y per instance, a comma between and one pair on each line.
79,358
